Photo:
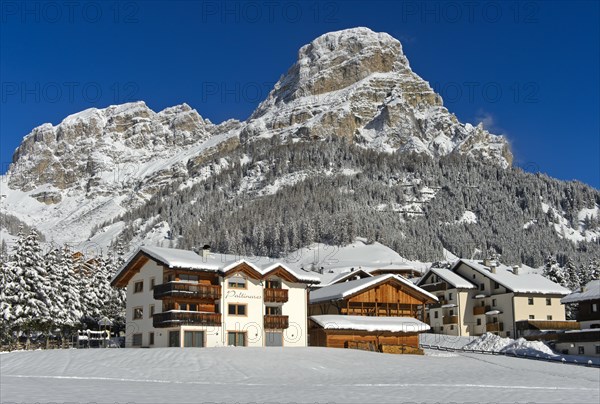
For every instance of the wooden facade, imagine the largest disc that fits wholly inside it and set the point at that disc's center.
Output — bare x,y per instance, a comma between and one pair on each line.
391,298
381,340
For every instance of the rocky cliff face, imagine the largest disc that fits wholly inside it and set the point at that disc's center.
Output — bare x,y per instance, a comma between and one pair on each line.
355,83
358,84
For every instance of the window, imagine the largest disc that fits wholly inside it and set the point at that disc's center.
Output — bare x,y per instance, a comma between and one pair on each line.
451,312
452,327
193,339
594,307
152,282
188,306
548,301
273,311
494,302
481,286
237,282
473,276
138,287
508,333
496,285
530,301
580,350
236,338
151,338
548,317
273,284
188,277
138,313
597,349
237,309
478,321
449,296
136,340
531,316
151,311
482,303
435,314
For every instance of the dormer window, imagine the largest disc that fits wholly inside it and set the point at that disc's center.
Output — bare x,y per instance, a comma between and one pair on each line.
273,284
237,282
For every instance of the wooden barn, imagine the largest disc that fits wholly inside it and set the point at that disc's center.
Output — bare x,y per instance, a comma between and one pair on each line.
380,312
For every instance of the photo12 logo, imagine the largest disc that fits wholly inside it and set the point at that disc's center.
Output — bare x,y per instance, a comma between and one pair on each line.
69,12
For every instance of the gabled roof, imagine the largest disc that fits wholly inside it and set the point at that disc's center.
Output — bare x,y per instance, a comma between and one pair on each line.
341,290
591,291
521,283
259,267
344,276
450,277
367,323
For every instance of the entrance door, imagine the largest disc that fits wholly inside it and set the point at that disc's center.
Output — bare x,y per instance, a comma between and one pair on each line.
193,339
174,339
274,338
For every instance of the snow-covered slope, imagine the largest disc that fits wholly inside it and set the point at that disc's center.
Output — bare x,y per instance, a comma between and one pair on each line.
312,375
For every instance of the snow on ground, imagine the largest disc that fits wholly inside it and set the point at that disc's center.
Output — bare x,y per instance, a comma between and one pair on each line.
286,375
495,343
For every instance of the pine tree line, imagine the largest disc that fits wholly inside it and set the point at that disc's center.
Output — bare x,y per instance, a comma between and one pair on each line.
229,210
56,293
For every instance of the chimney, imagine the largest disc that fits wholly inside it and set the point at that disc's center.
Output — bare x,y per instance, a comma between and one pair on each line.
351,269
516,269
487,262
205,251
493,267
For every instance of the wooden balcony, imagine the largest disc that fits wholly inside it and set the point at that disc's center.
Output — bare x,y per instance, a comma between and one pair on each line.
273,295
494,327
434,287
276,322
177,318
189,290
438,305
450,320
480,310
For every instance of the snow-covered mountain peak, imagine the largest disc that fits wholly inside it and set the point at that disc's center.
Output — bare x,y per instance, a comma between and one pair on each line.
358,84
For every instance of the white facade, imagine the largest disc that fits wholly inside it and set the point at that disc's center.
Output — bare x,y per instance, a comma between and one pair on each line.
247,313
475,299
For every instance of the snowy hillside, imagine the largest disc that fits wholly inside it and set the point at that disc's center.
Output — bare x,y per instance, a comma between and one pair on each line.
314,375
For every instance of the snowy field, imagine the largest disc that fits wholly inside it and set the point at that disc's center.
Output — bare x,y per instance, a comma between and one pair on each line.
302,375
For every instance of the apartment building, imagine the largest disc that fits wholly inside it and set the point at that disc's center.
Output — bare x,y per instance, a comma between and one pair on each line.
486,296
177,298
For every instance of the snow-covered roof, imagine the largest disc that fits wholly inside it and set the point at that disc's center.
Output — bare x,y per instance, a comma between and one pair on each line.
521,283
222,263
331,278
452,278
341,290
591,291
368,323
176,258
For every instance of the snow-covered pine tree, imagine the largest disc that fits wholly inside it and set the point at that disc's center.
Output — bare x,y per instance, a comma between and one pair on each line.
32,309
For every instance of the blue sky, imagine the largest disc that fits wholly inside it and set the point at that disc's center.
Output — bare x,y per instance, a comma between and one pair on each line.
529,70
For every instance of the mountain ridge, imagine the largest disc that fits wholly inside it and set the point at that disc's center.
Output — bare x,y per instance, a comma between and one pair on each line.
77,180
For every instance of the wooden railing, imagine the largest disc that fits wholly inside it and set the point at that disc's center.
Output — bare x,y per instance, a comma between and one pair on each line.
438,305
547,325
494,327
450,319
176,318
276,322
434,287
479,310
276,295
191,290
